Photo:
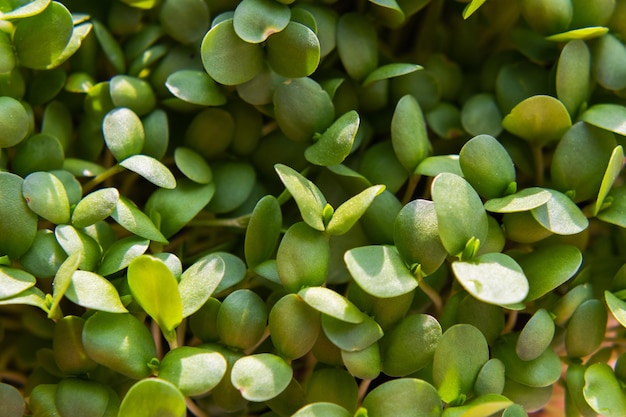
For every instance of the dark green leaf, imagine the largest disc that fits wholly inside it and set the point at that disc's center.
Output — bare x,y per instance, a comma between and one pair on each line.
121,253
357,44
336,142
39,39
302,109
223,53
408,133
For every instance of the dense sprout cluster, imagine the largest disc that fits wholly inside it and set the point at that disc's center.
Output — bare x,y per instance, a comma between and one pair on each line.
378,208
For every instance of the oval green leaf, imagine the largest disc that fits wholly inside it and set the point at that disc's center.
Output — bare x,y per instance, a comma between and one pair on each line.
90,290
308,197
134,220
46,196
293,52
223,53
493,278
603,391
460,213
121,253
151,169
404,397
408,133
332,147
123,133
195,371
40,39
196,87
153,396
487,166
538,119
199,281
380,271
120,342
255,20
302,109
155,288
349,212
329,302
13,281
560,215
95,207
261,377
263,231
14,122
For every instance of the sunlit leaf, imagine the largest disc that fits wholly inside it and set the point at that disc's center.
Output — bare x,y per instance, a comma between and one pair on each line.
90,290
261,377
493,278
380,271
151,169
156,290
153,396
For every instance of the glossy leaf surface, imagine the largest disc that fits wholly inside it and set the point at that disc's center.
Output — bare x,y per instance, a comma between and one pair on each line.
151,169
493,278
380,271
90,290
199,281
193,370
331,303
602,391
261,377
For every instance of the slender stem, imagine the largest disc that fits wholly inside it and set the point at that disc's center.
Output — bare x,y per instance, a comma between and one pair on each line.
194,409
414,179
539,168
363,387
156,335
510,322
239,222
432,294
102,177
13,377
